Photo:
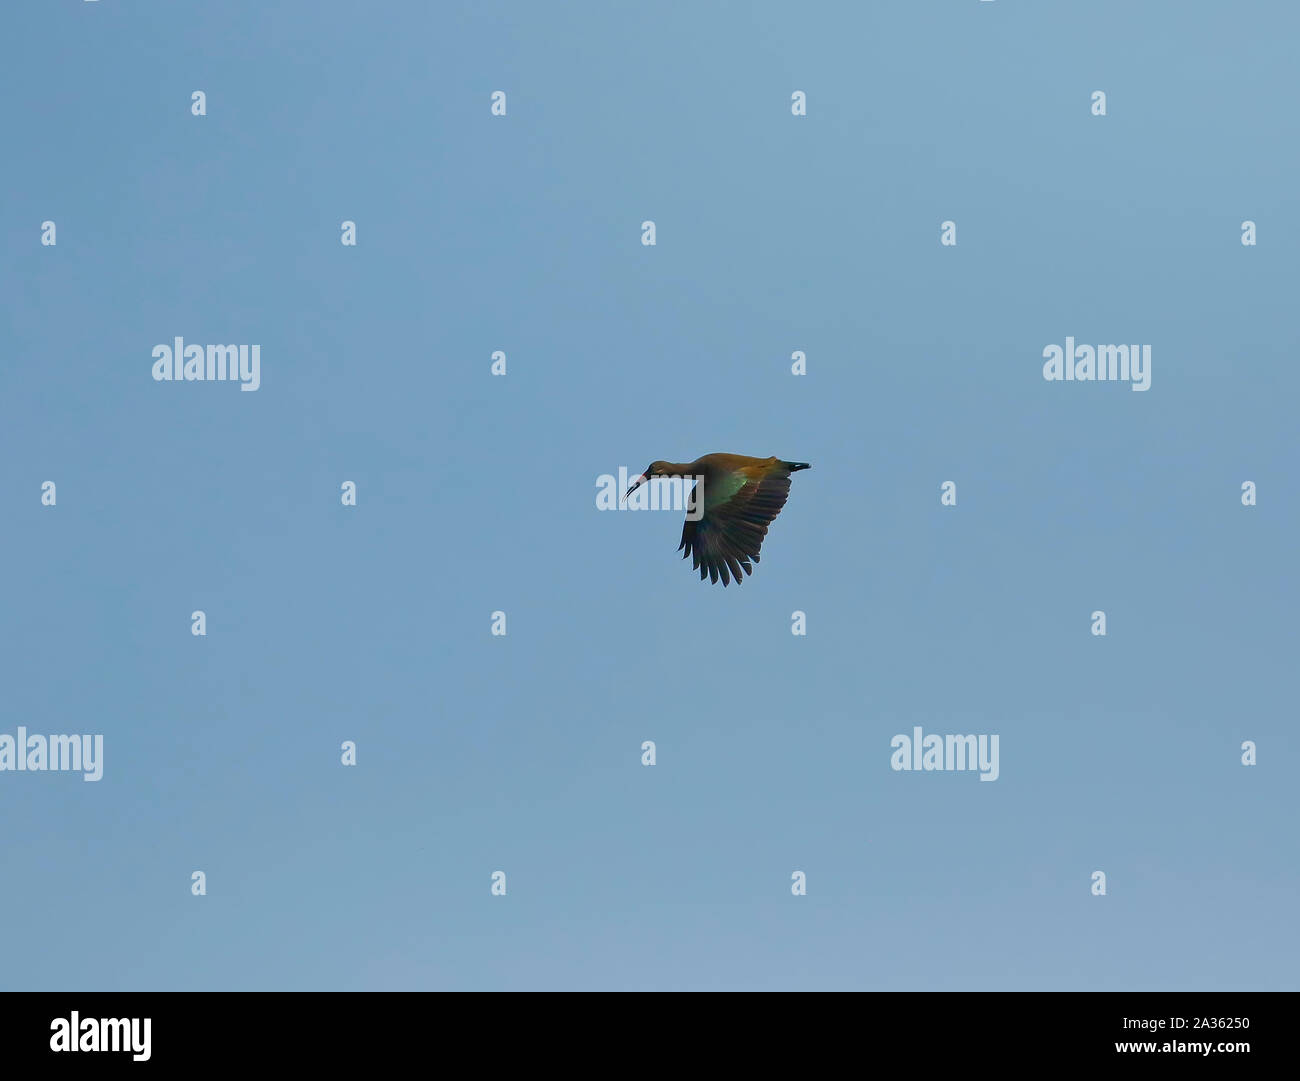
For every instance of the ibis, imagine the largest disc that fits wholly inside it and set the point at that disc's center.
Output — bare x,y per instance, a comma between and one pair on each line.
741,496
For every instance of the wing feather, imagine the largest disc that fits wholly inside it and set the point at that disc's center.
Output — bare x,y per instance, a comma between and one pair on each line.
726,540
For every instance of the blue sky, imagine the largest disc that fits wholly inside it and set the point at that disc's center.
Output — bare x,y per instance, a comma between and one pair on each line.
522,753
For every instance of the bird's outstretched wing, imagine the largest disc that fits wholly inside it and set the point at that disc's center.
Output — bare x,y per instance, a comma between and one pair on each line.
731,532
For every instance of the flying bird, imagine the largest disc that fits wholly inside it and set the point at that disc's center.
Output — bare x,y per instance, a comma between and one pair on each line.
741,497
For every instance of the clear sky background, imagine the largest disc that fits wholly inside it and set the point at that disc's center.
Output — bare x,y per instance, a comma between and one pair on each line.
523,754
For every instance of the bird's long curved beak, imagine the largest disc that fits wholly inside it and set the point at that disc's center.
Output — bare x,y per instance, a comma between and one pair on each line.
635,485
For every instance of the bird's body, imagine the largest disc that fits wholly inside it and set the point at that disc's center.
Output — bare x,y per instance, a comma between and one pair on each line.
741,496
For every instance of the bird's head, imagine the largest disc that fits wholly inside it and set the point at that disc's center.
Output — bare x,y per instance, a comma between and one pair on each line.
654,469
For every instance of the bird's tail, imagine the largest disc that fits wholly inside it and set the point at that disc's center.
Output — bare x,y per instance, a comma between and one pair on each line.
794,467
